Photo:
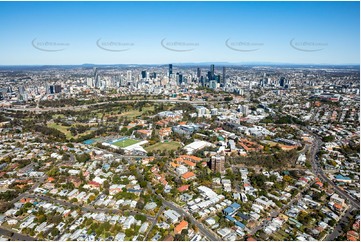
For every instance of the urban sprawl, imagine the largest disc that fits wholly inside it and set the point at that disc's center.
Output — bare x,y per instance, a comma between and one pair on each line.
179,152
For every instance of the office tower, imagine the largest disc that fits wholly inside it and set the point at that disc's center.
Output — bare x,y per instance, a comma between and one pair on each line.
209,75
217,163
170,69
57,88
95,72
245,110
154,75
129,76
218,78
224,75
212,72
179,78
21,90
96,77
202,81
144,74
213,84
198,72
282,81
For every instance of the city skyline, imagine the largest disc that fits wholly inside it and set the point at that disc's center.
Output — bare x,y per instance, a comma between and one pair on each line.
318,33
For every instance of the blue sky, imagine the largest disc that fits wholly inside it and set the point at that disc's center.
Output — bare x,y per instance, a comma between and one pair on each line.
281,32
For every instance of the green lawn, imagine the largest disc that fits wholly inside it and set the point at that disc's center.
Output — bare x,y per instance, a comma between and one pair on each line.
136,112
125,143
172,145
61,128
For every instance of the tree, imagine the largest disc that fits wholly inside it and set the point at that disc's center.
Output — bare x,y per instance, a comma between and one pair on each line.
329,138
287,178
55,232
140,217
129,232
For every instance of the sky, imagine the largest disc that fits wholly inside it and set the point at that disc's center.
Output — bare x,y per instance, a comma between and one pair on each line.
64,33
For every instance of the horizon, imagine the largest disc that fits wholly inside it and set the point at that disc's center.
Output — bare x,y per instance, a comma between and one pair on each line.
140,33
192,64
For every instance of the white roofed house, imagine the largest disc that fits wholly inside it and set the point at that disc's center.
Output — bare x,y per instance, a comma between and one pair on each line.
172,215
128,222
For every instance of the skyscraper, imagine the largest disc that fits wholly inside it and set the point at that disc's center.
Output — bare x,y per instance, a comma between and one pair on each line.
224,75
129,76
209,76
217,163
282,81
170,69
212,72
198,72
179,78
144,74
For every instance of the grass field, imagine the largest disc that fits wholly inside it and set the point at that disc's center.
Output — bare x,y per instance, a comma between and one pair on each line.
173,145
64,129
125,143
61,128
135,113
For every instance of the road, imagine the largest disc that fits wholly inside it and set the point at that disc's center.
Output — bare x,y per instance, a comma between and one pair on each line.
275,213
316,168
86,106
87,208
154,221
36,185
338,229
15,236
209,234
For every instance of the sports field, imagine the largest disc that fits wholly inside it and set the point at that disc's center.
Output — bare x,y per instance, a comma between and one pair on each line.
164,146
125,143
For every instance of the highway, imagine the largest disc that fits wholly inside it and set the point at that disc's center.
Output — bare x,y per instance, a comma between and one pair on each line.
86,106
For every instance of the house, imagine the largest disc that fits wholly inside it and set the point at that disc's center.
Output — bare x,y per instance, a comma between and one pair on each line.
143,228
188,176
183,188
353,236
228,211
164,132
336,199
168,238
144,133
182,225
172,215
120,237
341,178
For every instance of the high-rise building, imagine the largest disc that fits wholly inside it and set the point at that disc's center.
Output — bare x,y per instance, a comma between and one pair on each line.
212,72
282,81
21,90
245,110
202,81
129,76
217,163
170,69
218,78
57,89
179,78
198,72
209,76
224,75
144,74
